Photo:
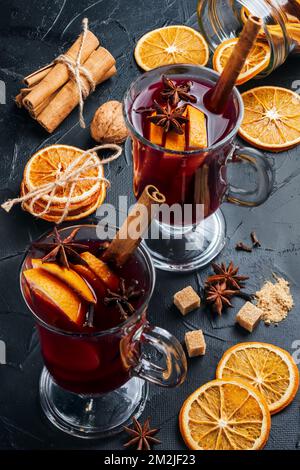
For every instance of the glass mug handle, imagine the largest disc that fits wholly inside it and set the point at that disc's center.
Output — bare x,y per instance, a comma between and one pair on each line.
170,369
264,173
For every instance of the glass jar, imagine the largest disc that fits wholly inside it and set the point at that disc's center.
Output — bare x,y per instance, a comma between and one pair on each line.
224,19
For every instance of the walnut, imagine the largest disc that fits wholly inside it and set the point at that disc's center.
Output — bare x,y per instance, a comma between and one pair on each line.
108,123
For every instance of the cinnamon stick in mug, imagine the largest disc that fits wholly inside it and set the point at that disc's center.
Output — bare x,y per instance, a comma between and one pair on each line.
216,101
137,222
59,74
101,65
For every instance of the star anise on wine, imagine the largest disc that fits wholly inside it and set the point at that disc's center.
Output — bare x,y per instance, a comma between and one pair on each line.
219,296
175,93
227,274
168,118
123,298
142,436
63,250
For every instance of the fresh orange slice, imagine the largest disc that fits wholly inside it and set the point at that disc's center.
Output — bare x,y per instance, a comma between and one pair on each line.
102,270
156,133
175,141
257,61
171,45
44,166
272,118
225,415
68,276
56,292
197,128
93,280
269,369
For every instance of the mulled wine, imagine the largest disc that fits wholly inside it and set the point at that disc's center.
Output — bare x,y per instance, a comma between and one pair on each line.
183,158
83,302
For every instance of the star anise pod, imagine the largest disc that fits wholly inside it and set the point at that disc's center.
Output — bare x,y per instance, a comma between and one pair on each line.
227,274
122,299
176,93
63,250
219,296
141,435
168,118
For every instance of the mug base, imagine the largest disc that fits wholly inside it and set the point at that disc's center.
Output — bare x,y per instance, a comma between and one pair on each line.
92,416
190,248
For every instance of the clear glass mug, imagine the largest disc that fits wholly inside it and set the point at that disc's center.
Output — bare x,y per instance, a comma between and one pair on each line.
93,383
193,179
220,20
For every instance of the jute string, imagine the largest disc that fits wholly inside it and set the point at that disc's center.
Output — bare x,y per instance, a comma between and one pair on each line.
76,70
70,176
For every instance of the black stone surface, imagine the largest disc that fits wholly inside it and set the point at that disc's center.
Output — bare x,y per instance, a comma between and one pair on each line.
31,34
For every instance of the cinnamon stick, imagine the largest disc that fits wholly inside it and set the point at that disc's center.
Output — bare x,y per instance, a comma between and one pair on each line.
59,74
217,100
37,76
101,65
130,234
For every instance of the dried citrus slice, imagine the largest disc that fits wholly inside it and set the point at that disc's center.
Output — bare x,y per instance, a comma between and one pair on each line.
272,118
101,270
56,292
171,45
269,369
45,165
68,276
55,215
225,415
257,61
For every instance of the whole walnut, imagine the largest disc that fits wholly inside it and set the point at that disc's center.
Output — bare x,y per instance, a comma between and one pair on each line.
108,123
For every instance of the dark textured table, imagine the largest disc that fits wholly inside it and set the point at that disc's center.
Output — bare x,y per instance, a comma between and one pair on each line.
31,34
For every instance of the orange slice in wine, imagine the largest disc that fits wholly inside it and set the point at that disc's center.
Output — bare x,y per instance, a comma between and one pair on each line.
196,128
156,133
68,276
257,61
171,45
101,270
56,292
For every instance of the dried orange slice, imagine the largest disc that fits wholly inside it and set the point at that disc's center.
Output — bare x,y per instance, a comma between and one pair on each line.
68,276
55,213
272,118
171,45
225,415
56,292
269,369
257,61
44,166
101,270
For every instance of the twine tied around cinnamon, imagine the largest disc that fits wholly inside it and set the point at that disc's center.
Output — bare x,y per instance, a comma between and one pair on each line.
71,175
76,70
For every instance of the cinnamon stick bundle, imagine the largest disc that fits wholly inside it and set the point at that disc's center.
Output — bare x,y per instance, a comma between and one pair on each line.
52,93
59,74
68,98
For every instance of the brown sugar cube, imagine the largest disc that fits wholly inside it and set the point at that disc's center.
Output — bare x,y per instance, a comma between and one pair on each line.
195,343
186,300
249,316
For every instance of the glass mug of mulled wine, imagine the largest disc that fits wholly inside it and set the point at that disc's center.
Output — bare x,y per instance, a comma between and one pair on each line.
98,348
188,158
